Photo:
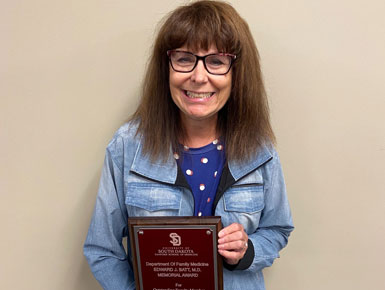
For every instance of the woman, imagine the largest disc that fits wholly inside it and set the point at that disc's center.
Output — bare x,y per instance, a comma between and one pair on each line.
200,143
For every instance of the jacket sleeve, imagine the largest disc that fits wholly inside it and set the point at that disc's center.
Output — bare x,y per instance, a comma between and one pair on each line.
103,247
275,223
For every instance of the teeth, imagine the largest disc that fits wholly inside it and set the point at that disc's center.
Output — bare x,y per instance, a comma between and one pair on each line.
198,95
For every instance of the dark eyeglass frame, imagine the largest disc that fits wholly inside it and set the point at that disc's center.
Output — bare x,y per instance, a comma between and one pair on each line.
203,58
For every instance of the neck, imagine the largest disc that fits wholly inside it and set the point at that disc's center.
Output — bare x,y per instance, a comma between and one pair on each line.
200,132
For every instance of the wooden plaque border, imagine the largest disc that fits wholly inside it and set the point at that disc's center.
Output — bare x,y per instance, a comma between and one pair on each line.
177,222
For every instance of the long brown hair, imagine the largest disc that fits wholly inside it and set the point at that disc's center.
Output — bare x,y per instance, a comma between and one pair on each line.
243,122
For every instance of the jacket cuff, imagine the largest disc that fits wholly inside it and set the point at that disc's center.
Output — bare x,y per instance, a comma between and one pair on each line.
245,262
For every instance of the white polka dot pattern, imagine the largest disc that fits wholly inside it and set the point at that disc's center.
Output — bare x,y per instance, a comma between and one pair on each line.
202,168
204,160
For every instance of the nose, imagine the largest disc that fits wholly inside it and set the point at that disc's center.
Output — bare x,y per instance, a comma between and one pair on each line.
199,74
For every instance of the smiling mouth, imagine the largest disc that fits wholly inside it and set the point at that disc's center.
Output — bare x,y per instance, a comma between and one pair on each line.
194,95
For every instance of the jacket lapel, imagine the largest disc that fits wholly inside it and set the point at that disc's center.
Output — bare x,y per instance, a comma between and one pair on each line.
157,170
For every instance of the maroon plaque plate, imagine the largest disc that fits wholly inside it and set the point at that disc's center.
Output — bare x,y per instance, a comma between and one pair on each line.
176,253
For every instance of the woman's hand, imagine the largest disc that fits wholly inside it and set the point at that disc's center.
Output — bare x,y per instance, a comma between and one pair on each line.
232,243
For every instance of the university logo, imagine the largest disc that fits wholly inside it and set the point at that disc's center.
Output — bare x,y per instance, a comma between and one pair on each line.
176,239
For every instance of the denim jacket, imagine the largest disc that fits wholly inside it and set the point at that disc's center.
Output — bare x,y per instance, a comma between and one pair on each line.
251,193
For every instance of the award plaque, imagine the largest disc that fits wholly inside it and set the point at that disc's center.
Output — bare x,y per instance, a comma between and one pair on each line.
176,253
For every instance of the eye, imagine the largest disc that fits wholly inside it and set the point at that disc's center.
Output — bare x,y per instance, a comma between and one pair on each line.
182,58
217,60
185,59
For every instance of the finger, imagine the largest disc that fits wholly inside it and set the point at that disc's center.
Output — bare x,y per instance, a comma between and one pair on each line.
235,236
234,227
231,257
239,246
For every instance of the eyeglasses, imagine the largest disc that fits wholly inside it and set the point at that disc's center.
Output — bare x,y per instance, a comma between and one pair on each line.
215,63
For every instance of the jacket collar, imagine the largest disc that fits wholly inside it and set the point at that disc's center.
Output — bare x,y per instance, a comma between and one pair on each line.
167,171
241,169
157,170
